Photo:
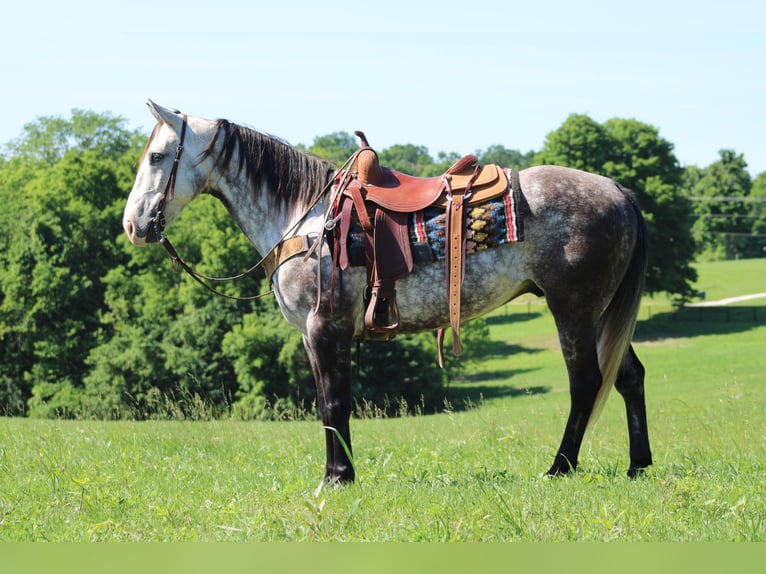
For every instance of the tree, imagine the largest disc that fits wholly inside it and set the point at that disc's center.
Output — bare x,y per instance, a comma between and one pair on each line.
723,218
499,155
162,335
758,195
407,158
400,376
271,365
59,186
48,139
580,143
336,147
634,154
645,163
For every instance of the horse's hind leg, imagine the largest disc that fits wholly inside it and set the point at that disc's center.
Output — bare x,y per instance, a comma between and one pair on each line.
329,352
580,354
630,384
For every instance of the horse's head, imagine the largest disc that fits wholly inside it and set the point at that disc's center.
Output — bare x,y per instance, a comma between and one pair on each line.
170,174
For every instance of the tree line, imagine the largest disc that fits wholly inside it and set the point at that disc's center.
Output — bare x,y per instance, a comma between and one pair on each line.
93,327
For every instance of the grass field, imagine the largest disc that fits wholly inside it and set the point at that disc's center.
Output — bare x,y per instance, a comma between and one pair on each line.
471,474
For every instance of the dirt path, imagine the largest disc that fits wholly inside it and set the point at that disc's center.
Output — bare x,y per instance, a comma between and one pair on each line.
729,300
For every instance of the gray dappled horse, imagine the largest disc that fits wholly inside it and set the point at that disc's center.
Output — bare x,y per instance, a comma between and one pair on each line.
584,250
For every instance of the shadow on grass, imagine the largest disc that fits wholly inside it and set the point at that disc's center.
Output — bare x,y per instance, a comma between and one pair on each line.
468,391
699,321
462,397
517,316
492,349
465,392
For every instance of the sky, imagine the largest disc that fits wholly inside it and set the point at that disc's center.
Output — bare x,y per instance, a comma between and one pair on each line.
450,76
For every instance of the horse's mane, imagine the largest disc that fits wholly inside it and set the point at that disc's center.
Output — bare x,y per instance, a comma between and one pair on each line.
296,177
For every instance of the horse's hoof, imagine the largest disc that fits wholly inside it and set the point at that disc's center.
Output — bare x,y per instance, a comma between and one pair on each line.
557,473
636,472
561,467
339,480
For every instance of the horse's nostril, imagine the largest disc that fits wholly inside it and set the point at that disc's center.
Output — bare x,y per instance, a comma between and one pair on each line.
129,228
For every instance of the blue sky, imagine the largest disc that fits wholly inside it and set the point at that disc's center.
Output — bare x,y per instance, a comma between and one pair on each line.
452,76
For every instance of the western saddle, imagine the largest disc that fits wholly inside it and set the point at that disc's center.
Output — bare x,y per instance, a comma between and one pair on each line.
381,200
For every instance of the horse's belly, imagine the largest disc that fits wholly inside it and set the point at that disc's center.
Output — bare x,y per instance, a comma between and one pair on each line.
492,278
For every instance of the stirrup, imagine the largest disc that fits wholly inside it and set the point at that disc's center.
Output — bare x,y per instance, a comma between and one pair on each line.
382,315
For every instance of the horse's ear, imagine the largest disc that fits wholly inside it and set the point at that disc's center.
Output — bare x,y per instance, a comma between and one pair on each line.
153,109
164,115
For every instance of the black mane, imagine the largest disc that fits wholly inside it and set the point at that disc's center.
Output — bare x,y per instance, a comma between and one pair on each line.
296,177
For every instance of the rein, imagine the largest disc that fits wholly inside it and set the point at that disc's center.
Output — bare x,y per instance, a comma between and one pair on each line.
201,277
159,223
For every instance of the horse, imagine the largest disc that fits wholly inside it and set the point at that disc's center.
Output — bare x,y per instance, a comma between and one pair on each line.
584,250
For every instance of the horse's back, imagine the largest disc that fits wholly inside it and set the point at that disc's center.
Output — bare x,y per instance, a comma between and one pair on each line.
579,197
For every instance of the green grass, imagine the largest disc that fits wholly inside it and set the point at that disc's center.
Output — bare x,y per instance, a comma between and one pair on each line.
474,474
722,279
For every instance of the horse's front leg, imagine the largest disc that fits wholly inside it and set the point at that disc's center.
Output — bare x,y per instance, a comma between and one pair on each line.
329,349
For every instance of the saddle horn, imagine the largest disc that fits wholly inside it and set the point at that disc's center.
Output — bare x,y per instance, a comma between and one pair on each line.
367,164
362,137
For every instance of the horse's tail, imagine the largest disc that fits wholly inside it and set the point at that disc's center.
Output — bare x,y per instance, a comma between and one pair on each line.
619,320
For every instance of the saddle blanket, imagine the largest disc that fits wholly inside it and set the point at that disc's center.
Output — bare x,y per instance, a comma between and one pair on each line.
488,225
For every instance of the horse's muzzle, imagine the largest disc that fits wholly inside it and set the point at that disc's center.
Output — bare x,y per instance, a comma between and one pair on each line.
138,236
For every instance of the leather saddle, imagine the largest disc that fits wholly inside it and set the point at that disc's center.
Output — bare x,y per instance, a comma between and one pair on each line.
381,199
404,193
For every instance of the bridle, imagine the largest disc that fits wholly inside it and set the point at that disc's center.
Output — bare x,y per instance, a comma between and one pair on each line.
286,246
170,187
159,222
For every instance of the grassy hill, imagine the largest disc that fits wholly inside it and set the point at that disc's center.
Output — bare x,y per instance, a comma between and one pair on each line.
722,279
472,474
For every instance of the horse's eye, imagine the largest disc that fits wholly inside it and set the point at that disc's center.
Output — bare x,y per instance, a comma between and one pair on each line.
156,158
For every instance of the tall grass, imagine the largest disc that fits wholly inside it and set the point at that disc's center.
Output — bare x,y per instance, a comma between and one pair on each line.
475,474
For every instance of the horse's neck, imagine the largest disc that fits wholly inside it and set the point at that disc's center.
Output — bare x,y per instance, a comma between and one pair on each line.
265,215
263,218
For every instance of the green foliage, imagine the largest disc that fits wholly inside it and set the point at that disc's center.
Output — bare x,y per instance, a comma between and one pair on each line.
48,139
407,158
413,159
400,376
61,190
270,364
758,195
336,147
725,219
505,157
162,334
579,143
